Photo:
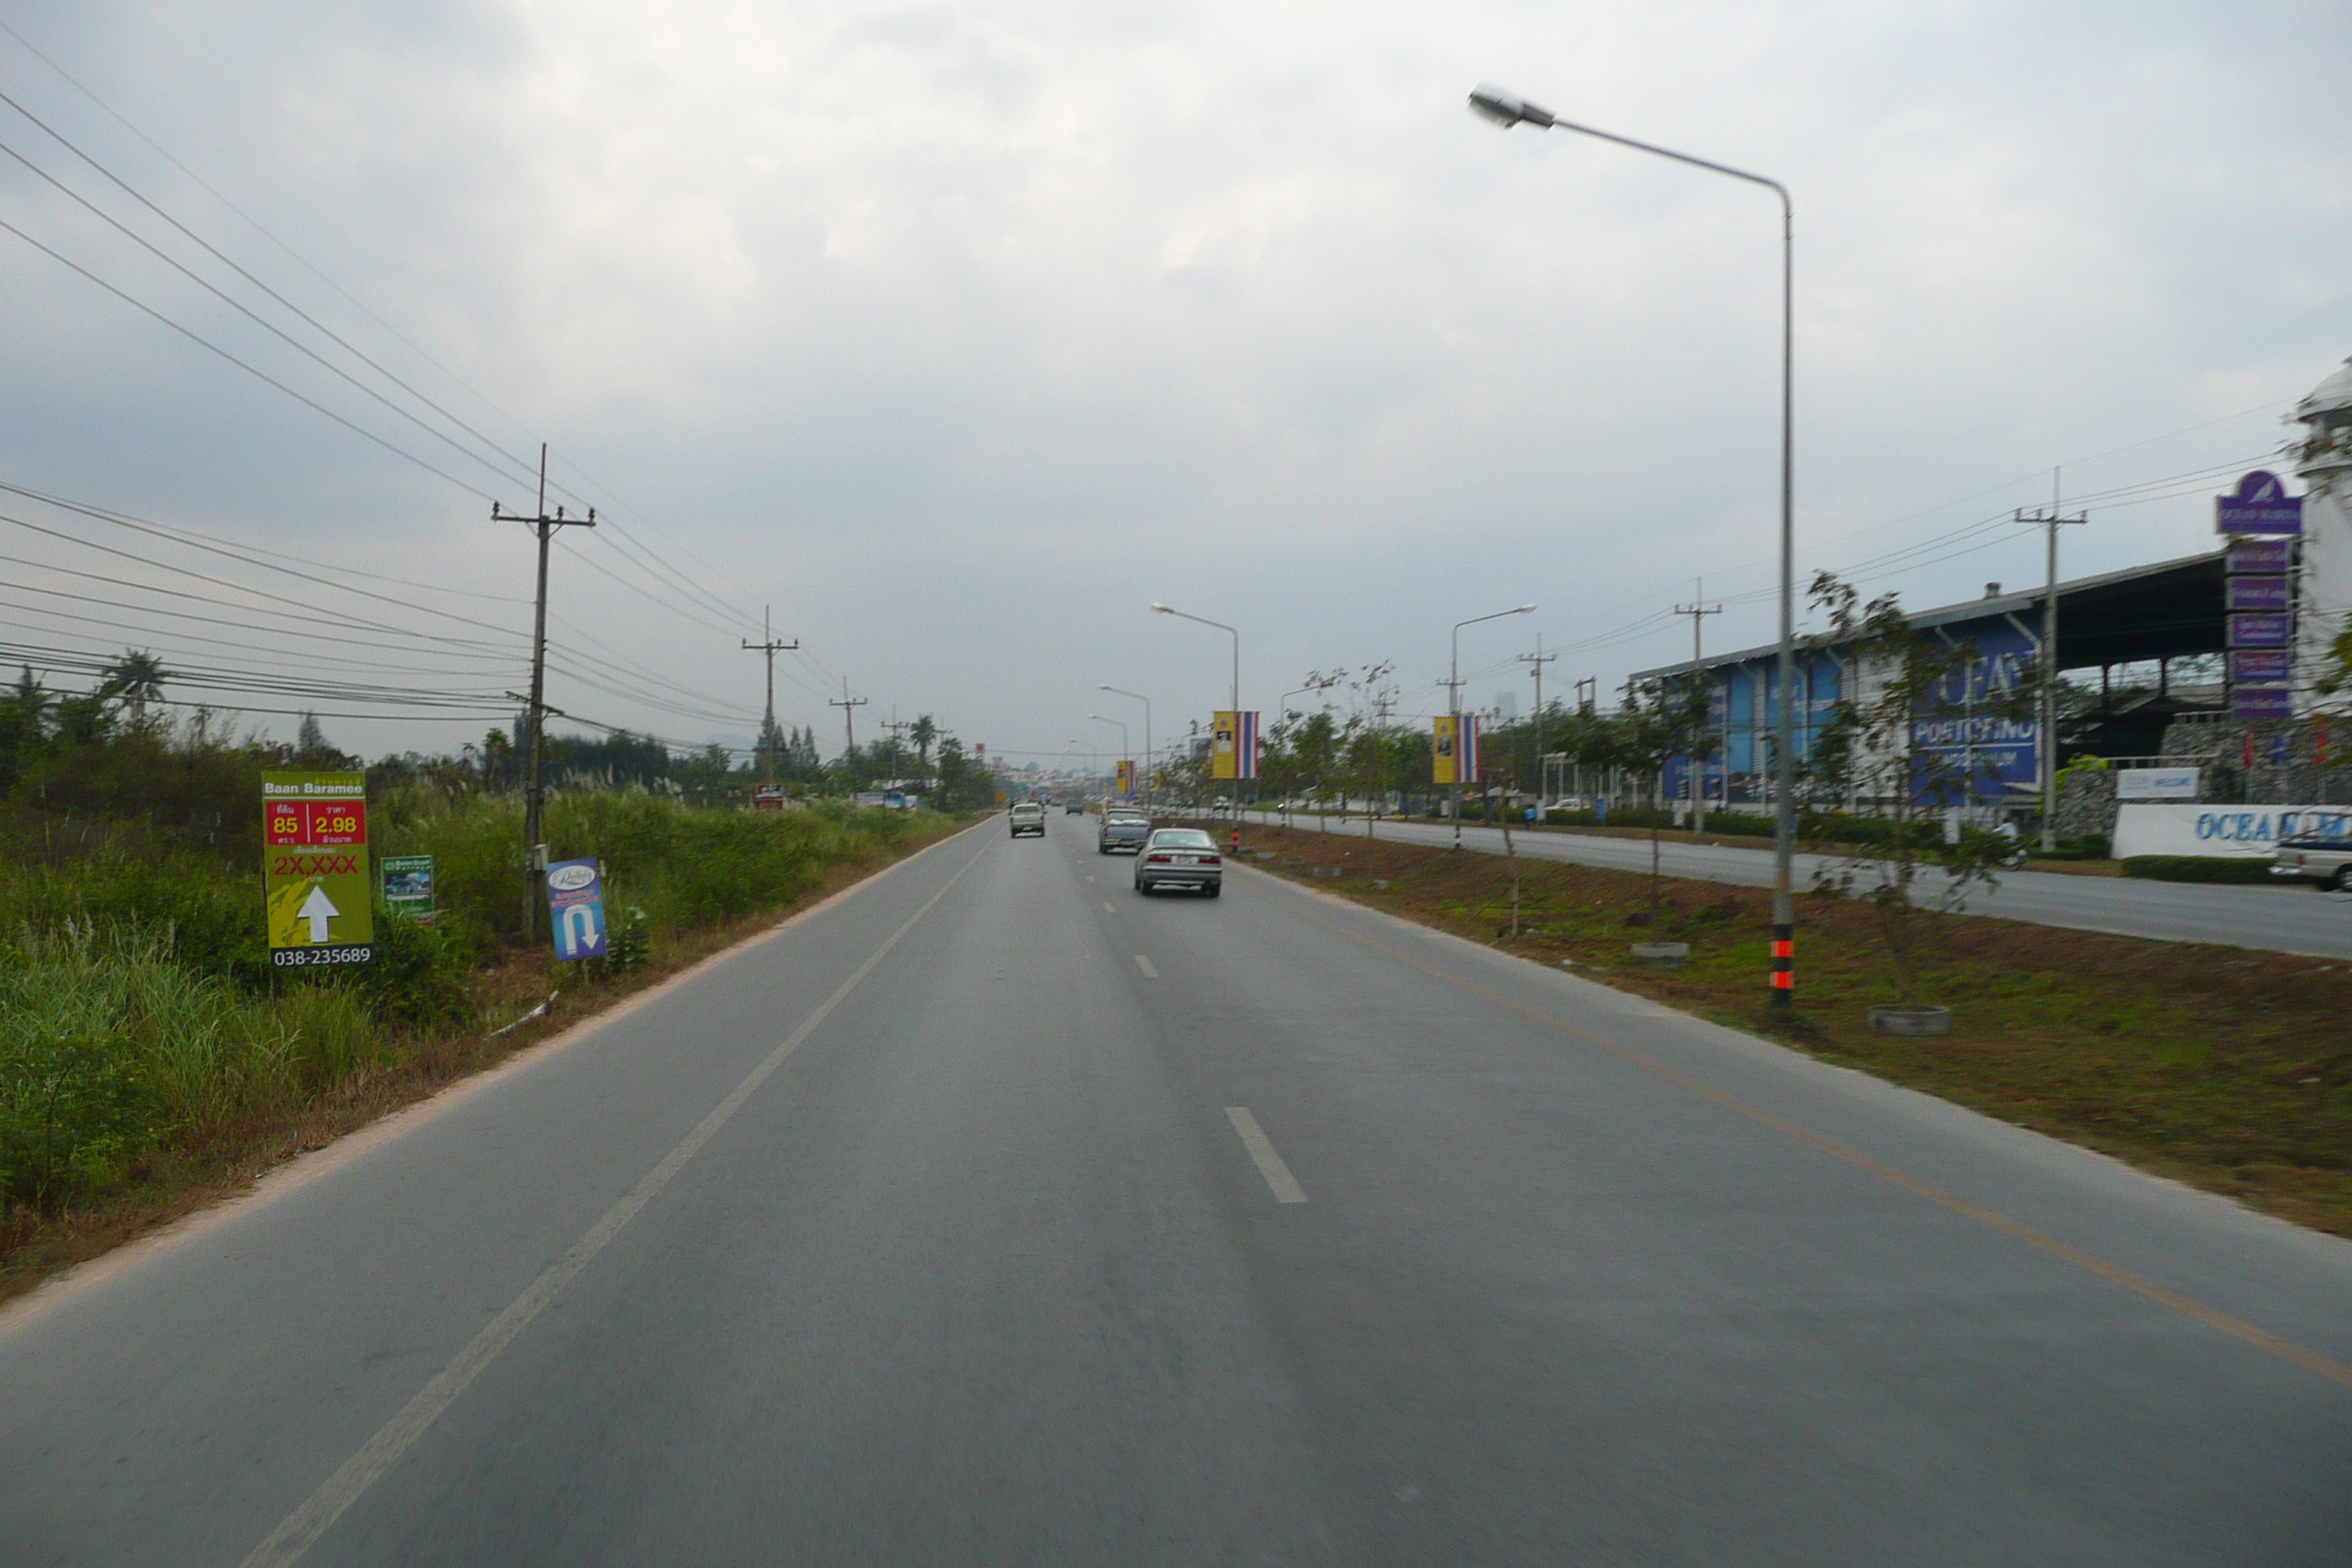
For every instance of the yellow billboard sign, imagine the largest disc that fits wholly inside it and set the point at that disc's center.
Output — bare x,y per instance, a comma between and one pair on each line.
320,899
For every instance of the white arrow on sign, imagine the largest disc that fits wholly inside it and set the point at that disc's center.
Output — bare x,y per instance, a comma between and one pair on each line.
318,909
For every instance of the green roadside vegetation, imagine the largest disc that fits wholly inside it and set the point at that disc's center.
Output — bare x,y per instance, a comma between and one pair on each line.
2226,1068
149,1061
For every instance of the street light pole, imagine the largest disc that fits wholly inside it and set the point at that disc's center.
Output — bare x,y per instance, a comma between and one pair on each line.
1150,772
1453,705
1160,609
1124,752
1506,110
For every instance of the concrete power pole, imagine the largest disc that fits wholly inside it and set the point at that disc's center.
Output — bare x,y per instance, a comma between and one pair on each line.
1698,612
534,795
769,646
1537,660
2045,750
848,706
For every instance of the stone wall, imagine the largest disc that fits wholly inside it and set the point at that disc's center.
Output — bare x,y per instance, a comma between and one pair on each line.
2297,762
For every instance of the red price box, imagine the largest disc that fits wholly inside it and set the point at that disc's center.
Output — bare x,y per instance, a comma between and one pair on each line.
322,823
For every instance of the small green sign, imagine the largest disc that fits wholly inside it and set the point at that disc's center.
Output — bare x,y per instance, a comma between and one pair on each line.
407,885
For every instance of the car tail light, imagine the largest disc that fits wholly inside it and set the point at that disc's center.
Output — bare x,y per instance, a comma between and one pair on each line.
1158,859
1211,861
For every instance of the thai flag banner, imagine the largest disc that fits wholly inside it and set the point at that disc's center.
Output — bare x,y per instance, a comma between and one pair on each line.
1245,747
1469,743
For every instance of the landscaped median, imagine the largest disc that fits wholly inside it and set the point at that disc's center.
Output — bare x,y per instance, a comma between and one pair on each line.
149,1064
2226,1068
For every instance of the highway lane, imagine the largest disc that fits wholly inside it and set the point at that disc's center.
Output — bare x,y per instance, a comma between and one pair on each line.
982,1265
2288,919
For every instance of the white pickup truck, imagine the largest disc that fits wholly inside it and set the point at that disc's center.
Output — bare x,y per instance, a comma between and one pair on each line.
1028,816
2326,861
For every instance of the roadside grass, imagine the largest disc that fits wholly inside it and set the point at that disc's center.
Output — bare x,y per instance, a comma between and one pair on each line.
2223,1067
143,1075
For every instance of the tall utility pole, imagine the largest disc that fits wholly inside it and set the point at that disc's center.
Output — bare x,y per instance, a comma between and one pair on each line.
2045,750
895,726
848,706
769,646
534,795
1698,612
1537,659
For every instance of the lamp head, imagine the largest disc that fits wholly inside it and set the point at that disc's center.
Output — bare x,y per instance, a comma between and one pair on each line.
1524,610
1160,609
1507,109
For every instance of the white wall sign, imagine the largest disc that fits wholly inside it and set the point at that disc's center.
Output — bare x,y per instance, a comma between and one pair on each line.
2156,784
2251,831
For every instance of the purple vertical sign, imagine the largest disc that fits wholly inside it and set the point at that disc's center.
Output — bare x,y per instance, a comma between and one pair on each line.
2258,593
2269,557
2261,631
2260,703
2259,505
2262,666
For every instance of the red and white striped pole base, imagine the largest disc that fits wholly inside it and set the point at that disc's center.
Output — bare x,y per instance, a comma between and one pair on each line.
1784,965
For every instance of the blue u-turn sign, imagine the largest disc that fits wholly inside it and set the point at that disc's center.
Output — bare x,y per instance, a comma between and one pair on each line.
575,908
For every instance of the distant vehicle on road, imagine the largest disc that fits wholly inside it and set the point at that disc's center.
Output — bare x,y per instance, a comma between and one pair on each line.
1074,808
2326,861
1122,829
1028,816
1180,857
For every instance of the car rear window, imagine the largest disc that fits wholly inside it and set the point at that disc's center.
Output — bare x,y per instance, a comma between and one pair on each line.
1183,838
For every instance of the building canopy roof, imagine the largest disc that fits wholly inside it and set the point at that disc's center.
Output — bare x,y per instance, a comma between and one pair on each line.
2167,610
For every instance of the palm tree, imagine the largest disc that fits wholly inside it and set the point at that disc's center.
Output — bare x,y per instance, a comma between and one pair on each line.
924,730
137,678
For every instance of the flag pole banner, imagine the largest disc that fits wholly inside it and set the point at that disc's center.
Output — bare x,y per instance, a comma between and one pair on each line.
1444,749
1469,745
1233,746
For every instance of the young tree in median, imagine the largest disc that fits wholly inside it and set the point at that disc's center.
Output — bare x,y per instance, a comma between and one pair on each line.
1661,720
1906,741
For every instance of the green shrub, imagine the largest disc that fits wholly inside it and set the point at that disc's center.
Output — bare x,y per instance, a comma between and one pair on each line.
2197,869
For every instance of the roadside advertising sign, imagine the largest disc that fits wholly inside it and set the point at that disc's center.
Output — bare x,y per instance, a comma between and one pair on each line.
2262,665
2260,557
1126,778
2156,784
2259,505
575,908
768,797
2261,631
2262,702
2259,594
319,899
407,882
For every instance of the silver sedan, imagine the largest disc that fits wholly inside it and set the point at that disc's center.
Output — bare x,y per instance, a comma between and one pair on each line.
1180,857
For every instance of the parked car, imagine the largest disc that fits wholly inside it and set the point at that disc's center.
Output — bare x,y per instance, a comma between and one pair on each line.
1122,829
2326,861
1028,816
1180,857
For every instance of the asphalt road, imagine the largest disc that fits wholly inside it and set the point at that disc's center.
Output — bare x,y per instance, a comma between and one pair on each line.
949,1225
2289,917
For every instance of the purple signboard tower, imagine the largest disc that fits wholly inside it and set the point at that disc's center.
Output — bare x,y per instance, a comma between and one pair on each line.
2262,522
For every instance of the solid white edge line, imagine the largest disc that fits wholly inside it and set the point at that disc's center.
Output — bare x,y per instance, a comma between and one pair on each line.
1277,1176
300,1529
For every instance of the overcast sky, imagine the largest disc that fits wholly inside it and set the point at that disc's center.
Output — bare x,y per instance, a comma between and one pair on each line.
961,332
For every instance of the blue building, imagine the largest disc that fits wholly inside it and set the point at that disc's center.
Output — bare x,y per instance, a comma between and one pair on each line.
2144,614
